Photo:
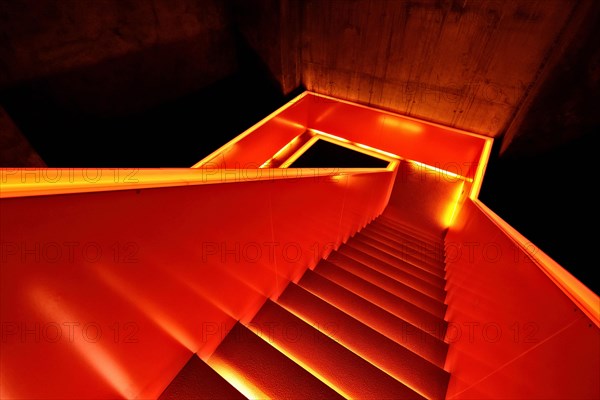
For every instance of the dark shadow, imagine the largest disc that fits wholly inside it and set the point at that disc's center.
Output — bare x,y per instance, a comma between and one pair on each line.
177,132
323,154
551,199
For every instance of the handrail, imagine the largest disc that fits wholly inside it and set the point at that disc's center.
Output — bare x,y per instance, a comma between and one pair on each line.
581,295
20,182
180,264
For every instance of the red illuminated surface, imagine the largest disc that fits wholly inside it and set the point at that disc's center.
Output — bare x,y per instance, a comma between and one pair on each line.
112,279
514,332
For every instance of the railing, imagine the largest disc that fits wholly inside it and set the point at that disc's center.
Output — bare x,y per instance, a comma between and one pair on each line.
109,287
520,326
453,151
112,278
580,294
440,168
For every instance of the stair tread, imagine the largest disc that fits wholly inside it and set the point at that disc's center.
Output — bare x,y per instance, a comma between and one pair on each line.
410,229
425,257
265,368
197,380
407,236
434,257
342,369
414,371
437,245
435,292
393,286
396,305
413,266
400,331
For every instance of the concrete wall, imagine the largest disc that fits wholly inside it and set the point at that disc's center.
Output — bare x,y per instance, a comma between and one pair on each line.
112,56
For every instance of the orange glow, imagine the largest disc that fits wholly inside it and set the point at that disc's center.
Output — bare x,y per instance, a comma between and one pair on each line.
446,174
393,165
153,311
362,355
5,392
328,135
483,160
284,121
373,149
516,286
97,357
259,206
298,153
145,218
20,183
587,300
298,361
281,151
450,213
237,380
403,125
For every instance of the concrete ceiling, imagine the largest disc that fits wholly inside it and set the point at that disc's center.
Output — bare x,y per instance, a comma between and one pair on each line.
480,66
488,66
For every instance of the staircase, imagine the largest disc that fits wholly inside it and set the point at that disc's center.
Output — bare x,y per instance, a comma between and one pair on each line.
366,323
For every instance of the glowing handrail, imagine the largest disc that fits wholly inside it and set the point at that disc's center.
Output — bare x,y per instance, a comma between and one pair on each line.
581,295
21,182
309,211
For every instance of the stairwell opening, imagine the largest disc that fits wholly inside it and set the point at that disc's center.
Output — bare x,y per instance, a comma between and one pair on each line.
324,154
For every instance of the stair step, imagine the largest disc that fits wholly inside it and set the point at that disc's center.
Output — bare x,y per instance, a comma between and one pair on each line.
414,371
197,380
425,320
435,292
428,256
433,255
400,331
399,289
406,236
343,370
250,362
414,231
388,254
408,233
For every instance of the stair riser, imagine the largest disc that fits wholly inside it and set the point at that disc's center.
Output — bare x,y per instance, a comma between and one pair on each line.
406,231
399,289
370,247
424,320
340,368
429,257
392,272
244,356
397,361
400,331
438,245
